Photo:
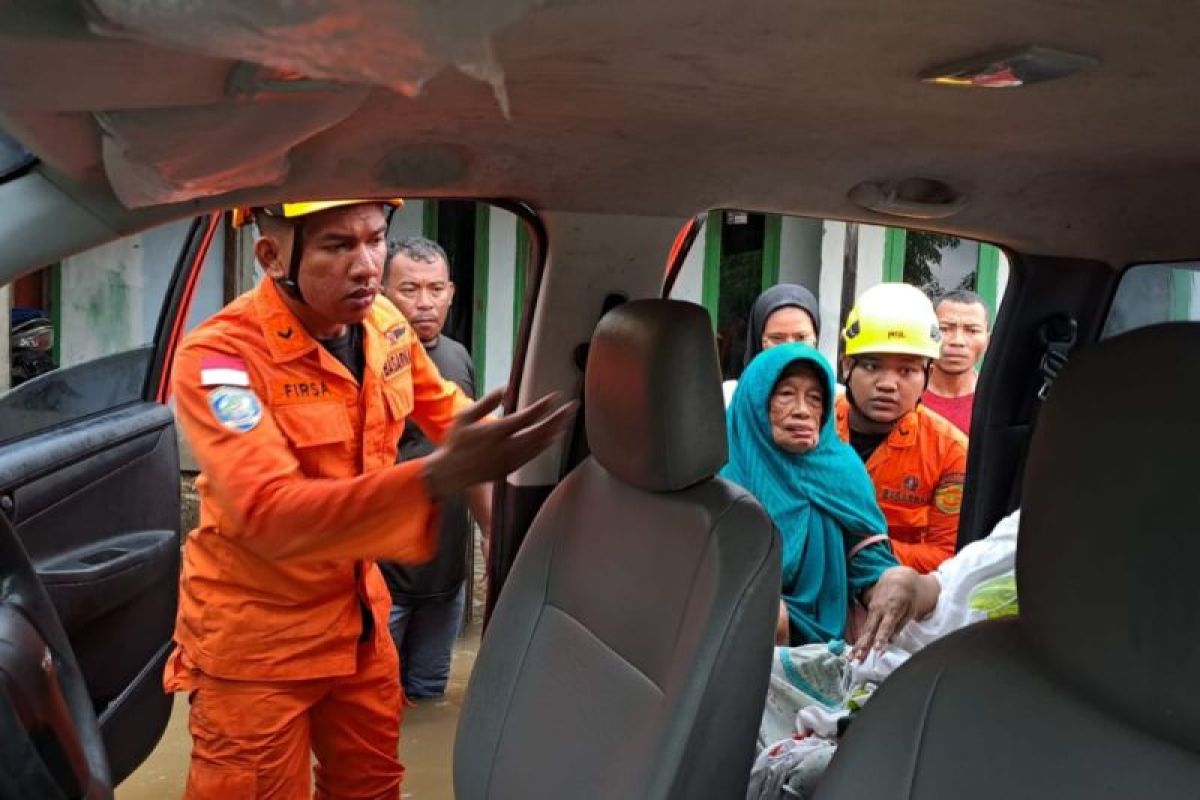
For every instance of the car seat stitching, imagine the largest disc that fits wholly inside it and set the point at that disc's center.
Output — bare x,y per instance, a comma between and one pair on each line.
700,563
606,645
919,742
737,615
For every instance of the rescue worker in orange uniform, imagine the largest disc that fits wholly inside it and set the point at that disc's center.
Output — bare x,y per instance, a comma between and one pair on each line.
294,398
917,459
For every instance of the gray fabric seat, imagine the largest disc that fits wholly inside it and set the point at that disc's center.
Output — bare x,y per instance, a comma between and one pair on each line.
629,652
1092,692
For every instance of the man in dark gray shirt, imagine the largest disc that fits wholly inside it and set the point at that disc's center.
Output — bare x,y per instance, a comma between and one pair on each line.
427,601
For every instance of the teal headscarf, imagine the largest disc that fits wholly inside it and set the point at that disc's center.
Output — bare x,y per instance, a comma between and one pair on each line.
821,501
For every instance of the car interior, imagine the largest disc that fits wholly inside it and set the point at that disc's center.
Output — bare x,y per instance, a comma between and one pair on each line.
613,131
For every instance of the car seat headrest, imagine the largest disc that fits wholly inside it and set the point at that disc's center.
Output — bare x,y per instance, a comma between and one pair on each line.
654,414
1109,551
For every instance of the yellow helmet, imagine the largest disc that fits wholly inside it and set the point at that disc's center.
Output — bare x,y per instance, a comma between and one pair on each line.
297,211
893,318
303,208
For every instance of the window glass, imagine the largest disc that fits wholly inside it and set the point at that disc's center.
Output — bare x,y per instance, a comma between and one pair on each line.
937,263
738,254
82,331
1152,293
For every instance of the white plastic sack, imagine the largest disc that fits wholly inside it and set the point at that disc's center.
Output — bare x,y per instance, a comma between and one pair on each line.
791,768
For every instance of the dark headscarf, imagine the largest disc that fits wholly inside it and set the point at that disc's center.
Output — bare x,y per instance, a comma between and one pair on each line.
782,296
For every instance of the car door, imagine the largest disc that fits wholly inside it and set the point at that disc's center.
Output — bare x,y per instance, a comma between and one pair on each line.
90,476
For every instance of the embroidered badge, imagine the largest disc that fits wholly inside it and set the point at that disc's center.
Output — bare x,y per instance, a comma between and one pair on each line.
396,362
396,334
223,371
236,408
285,391
948,498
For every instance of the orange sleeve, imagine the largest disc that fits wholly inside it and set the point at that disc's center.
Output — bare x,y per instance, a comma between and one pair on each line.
272,508
436,401
941,538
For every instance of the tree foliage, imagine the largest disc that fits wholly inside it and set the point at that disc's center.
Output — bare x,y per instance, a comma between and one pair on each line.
923,254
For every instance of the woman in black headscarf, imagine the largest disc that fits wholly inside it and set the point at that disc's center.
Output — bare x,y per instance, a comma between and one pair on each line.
783,314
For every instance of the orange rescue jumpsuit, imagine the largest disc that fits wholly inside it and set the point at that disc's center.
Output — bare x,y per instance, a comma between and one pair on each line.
299,492
918,472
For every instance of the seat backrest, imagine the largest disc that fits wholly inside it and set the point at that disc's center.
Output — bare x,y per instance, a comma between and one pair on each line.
629,652
1090,693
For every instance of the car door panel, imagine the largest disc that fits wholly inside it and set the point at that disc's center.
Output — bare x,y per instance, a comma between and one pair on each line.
96,505
90,482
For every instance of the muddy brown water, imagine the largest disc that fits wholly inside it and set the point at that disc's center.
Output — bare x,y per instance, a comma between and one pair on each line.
426,734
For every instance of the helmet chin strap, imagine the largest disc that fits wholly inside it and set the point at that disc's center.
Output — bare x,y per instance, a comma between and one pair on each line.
291,284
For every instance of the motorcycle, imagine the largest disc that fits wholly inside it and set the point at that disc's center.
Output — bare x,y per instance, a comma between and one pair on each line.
31,345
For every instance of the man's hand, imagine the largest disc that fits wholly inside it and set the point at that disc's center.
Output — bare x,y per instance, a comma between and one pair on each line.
479,452
900,596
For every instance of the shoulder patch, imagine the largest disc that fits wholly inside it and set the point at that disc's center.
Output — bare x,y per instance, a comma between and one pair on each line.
948,496
236,408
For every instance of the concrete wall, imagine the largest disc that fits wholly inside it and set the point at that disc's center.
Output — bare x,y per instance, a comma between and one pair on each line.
829,286
112,295
408,221
800,251
502,253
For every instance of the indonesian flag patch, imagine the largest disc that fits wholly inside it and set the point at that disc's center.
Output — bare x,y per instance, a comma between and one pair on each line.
223,371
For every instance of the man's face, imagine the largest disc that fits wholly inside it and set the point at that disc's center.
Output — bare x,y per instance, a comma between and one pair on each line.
423,292
964,336
787,325
341,264
886,387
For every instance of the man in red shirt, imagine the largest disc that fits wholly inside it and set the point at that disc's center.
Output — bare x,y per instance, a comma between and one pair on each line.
963,320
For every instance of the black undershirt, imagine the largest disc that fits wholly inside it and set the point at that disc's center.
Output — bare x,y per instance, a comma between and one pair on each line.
866,443
348,349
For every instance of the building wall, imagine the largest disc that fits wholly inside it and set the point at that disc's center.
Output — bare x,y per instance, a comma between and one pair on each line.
408,221
501,294
111,296
800,251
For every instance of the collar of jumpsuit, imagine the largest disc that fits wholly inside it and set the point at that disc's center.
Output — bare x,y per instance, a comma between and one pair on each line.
903,433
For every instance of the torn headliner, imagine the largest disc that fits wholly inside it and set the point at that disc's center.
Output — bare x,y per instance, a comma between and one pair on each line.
662,109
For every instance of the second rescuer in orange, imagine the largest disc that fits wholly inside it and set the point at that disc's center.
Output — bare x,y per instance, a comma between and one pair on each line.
294,398
917,460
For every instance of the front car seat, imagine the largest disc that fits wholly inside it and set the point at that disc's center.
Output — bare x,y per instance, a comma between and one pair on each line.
1092,692
629,652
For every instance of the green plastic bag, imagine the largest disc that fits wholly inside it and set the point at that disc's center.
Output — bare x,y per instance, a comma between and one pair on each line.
996,598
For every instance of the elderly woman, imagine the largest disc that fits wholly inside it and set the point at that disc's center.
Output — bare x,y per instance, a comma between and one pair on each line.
784,450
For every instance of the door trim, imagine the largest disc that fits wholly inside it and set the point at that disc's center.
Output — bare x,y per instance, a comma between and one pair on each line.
178,305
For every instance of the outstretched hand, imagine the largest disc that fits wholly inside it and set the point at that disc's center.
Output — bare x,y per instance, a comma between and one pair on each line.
900,596
476,451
